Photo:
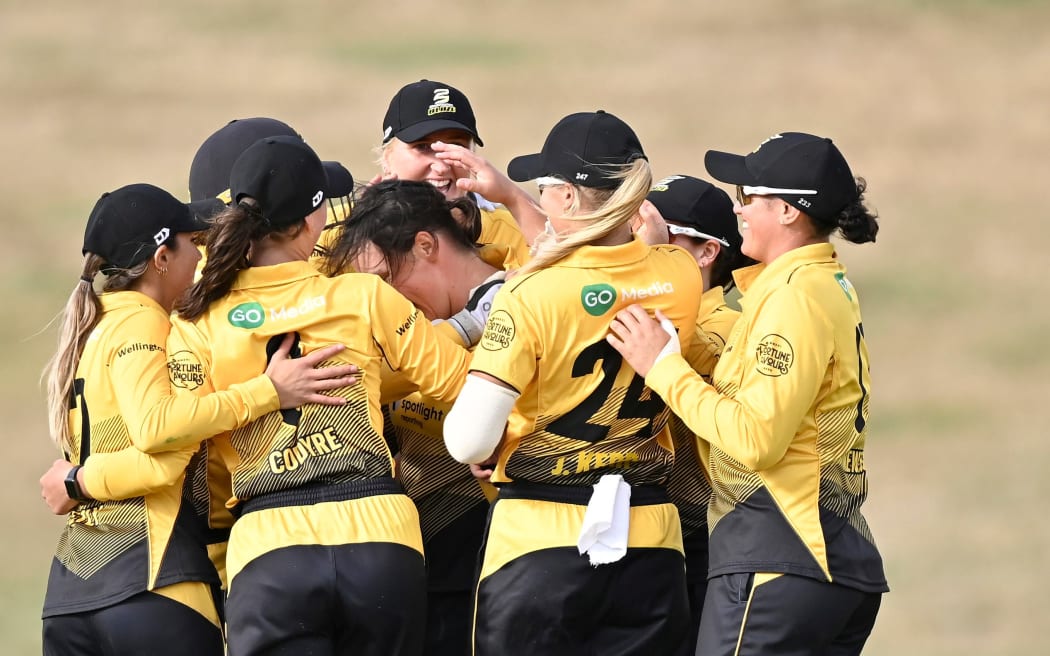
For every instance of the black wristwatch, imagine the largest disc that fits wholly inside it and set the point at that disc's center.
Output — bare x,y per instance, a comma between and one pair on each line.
73,487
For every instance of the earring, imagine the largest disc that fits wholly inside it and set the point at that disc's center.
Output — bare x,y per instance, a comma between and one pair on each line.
163,271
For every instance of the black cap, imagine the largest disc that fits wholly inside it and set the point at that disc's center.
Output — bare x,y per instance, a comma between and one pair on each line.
340,182
210,170
127,225
694,203
792,161
424,107
586,149
283,175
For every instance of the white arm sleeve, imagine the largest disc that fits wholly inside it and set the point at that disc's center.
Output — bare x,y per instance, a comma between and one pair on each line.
474,425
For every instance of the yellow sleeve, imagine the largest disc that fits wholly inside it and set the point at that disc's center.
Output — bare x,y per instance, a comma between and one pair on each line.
509,348
703,352
498,226
131,473
756,425
414,347
157,418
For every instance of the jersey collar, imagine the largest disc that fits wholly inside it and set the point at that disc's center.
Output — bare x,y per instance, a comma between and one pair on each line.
128,298
777,271
589,257
276,274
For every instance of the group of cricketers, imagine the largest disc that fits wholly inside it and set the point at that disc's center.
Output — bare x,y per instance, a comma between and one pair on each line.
457,411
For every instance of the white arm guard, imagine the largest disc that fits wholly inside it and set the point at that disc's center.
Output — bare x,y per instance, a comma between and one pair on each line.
474,426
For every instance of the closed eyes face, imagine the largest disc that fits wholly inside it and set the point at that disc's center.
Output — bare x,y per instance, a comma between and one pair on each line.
414,279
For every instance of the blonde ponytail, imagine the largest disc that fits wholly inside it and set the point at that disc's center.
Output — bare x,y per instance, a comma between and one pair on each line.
614,209
82,312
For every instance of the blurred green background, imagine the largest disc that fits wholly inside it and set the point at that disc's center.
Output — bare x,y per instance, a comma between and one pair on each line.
943,106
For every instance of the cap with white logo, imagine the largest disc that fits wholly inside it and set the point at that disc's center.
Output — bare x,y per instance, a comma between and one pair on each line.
587,149
127,225
283,175
804,170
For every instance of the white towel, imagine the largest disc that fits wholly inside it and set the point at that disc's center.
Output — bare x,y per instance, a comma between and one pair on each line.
603,535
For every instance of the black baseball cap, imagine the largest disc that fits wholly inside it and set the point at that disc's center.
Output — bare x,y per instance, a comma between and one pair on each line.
210,169
694,203
283,175
424,107
804,170
340,181
127,225
585,149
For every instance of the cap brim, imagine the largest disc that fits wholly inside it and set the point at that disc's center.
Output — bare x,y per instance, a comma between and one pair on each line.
526,167
423,128
340,181
727,167
202,212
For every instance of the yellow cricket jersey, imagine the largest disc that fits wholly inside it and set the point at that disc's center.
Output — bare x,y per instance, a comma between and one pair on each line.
326,444
583,412
140,532
688,486
498,227
785,423
442,488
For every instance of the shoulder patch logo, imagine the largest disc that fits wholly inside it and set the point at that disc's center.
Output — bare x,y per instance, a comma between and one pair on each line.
845,284
597,299
247,315
499,331
185,370
774,355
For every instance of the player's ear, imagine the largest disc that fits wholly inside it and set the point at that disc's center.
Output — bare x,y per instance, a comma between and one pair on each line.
709,252
161,258
425,245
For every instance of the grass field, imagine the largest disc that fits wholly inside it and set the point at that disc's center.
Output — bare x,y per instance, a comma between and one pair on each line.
943,106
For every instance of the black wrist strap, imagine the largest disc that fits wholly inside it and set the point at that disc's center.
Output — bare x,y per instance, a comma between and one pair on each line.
73,490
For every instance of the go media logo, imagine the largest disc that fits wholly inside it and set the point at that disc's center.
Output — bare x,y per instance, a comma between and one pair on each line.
247,315
597,299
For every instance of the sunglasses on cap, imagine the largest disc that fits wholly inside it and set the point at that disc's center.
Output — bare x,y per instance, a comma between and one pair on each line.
548,181
744,193
696,234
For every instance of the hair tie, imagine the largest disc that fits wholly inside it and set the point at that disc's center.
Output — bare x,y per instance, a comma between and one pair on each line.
88,280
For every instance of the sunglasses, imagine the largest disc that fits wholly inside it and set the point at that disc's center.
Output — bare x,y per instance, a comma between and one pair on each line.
695,234
548,181
745,193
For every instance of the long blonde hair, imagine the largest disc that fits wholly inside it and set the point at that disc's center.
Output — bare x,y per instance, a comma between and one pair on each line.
80,316
614,208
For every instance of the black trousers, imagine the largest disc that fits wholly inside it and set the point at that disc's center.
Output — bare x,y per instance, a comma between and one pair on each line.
748,614
363,598
554,602
147,623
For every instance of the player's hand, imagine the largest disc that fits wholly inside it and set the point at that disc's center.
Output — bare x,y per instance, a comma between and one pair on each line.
53,488
475,172
483,472
299,381
381,177
641,340
649,224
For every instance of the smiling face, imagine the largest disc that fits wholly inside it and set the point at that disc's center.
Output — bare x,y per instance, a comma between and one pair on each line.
416,161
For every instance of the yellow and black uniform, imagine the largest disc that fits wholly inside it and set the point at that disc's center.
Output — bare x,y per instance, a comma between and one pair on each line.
326,537
784,428
136,553
688,486
582,413
498,227
453,506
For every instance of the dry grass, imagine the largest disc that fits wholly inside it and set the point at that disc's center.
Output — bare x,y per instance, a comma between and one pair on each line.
941,105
